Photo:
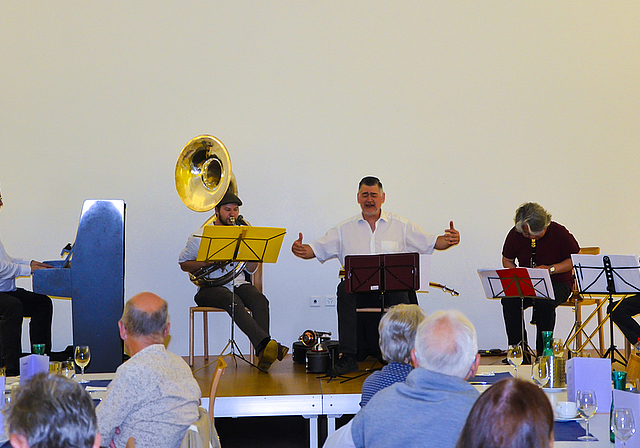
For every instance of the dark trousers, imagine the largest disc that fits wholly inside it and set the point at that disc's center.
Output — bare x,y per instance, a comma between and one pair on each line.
544,315
14,305
348,317
256,327
622,316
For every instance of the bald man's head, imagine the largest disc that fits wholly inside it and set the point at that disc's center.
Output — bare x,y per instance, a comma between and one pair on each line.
145,314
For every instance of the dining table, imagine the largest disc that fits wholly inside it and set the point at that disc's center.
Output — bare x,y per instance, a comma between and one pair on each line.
566,431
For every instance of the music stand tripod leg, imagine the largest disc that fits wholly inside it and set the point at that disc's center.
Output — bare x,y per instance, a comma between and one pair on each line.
612,350
232,341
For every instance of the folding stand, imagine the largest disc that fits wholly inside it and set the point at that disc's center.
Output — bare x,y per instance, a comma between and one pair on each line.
607,275
381,273
517,283
239,244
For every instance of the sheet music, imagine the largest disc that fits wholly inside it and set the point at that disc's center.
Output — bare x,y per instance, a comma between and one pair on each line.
590,273
496,285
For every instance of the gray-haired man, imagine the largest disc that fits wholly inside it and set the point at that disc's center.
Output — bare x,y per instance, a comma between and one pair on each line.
153,397
434,401
52,412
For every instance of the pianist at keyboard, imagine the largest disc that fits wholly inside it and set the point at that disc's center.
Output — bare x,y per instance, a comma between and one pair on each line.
16,303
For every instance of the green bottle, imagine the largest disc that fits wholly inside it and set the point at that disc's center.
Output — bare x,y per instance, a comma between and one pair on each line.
547,352
620,383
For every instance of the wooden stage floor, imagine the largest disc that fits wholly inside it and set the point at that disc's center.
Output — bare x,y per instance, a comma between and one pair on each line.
307,403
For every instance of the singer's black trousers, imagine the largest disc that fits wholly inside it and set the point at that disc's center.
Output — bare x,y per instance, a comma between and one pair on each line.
348,316
544,314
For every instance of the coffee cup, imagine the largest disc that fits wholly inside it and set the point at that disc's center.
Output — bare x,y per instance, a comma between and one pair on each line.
566,409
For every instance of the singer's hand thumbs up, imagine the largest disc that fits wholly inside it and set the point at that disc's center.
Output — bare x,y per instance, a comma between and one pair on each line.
452,236
299,240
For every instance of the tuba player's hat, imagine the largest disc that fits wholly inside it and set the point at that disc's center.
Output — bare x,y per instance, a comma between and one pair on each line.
229,198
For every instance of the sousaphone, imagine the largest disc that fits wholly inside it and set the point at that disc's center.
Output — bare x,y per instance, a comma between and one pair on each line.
203,176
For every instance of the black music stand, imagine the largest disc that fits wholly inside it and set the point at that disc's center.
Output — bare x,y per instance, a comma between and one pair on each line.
608,275
239,244
518,283
381,273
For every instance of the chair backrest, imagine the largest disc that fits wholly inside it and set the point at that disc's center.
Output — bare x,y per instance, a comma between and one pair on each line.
220,368
131,443
201,433
590,250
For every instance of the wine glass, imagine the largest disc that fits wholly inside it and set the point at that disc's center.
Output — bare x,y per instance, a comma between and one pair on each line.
540,371
82,356
622,424
514,356
587,405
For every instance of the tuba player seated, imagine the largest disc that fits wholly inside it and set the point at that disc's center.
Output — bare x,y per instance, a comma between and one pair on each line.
222,285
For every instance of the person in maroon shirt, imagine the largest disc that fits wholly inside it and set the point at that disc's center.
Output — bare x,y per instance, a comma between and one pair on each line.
536,241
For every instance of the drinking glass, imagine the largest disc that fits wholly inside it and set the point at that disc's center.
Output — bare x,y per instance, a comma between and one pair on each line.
557,346
67,368
622,424
514,356
587,405
82,356
540,371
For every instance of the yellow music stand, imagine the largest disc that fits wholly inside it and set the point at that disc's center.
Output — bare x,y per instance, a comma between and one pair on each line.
240,244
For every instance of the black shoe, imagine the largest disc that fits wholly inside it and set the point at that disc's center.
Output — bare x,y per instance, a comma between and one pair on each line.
282,351
347,363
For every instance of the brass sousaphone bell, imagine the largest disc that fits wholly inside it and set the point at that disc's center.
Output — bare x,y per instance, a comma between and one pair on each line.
203,176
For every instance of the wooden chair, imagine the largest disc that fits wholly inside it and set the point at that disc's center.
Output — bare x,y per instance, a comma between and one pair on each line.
577,301
131,443
256,280
220,368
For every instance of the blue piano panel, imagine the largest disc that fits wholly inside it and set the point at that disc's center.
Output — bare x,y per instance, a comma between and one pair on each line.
95,282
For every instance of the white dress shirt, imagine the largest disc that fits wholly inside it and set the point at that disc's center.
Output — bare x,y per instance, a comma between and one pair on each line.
10,268
392,234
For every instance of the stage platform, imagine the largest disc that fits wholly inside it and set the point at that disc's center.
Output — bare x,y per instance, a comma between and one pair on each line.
287,390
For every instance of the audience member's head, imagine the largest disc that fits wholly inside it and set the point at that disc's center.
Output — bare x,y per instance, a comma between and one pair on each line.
398,332
145,321
531,219
51,411
446,342
512,413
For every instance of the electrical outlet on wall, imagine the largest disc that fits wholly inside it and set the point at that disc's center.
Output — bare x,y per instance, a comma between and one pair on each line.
314,301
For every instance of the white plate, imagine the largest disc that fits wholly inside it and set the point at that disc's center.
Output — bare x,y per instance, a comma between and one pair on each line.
562,419
554,389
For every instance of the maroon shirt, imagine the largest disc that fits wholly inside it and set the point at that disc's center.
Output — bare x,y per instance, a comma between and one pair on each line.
555,246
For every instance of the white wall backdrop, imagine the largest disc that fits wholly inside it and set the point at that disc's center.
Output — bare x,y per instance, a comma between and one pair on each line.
463,109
